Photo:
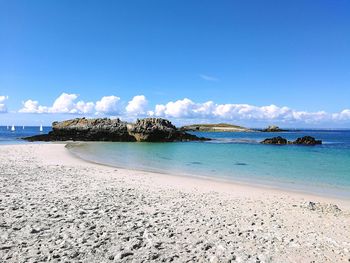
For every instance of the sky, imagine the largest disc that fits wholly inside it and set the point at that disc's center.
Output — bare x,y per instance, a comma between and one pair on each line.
251,63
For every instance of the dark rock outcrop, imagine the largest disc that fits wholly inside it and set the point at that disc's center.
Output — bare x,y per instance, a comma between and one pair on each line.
275,140
82,129
273,128
306,140
158,130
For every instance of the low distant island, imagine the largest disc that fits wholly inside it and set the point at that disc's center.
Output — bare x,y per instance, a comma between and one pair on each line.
226,127
220,127
115,130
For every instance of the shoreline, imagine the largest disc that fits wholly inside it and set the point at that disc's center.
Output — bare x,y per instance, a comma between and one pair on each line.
57,207
220,183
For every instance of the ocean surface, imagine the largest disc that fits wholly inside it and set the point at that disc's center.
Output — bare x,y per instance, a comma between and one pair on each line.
14,137
322,169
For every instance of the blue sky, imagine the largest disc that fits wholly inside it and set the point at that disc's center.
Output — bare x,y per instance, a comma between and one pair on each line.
243,56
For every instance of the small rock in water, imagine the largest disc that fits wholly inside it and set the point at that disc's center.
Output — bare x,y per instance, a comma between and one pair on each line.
307,140
239,163
275,140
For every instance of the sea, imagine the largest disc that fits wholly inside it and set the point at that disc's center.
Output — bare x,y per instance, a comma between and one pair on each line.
230,156
15,137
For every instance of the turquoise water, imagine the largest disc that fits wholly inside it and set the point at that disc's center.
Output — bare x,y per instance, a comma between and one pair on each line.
323,169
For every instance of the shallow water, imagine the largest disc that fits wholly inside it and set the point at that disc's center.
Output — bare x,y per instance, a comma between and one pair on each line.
322,169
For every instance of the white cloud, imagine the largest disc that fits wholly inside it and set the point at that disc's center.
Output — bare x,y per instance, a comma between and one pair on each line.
64,104
32,106
3,108
343,115
137,106
178,109
181,109
186,108
251,112
208,78
107,105
85,107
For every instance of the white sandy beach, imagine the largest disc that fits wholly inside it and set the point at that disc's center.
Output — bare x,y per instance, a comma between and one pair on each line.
57,208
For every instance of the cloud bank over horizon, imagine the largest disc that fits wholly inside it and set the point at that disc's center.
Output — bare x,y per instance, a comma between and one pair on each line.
184,109
66,103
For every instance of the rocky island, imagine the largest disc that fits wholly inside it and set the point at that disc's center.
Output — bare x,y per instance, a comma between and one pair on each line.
273,128
306,140
105,129
220,127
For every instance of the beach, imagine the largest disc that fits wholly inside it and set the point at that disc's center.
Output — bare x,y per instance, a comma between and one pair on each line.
58,208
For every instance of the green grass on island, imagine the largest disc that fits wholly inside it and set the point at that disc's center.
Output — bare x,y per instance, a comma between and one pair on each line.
219,127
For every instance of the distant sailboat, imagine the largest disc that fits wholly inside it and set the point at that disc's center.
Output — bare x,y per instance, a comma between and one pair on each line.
23,127
41,128
8,127
13,128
